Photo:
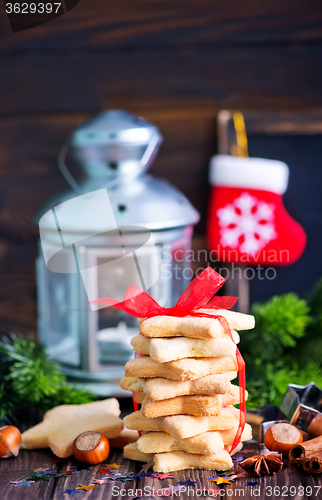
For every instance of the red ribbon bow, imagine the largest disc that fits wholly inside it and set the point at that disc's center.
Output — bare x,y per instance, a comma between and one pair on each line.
199,294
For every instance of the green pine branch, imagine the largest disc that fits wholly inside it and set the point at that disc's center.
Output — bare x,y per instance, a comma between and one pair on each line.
28,376
279,323
285,347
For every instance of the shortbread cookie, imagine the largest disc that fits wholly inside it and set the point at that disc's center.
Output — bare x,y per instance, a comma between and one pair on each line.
131,452
236,449
139,397
164,388
226,399
164,350
195,327
127,436
190,405
184,426
182,369
178,460
236,320
64,423
168,462
230,434
206,443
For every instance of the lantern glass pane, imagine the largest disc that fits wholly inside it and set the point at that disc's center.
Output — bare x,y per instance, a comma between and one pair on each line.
58,314
116,328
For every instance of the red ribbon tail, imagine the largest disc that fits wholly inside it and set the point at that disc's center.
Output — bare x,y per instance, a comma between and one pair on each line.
135,404
221,303
242,400
242,387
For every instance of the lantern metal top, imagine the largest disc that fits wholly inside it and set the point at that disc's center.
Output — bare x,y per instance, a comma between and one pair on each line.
114,148
114,127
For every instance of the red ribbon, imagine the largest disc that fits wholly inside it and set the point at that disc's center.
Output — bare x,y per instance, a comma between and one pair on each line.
198,295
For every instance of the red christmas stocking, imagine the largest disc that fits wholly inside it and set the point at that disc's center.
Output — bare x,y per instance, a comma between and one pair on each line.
247,221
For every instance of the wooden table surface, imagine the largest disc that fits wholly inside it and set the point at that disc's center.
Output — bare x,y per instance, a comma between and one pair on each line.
290,482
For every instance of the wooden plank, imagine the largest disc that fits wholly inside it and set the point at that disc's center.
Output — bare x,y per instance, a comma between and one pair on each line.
40,490
27,461
216,78
200,256
304,486
278,486
15,469
17,258
29,173
18,309
101,24
278,122
18,304
313,487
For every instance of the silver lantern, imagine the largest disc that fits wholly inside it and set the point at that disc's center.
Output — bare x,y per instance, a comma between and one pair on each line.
113,227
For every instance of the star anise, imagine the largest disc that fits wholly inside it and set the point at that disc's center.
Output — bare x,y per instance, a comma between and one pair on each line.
263,464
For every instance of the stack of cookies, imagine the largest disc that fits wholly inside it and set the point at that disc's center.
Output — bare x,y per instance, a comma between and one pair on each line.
182,379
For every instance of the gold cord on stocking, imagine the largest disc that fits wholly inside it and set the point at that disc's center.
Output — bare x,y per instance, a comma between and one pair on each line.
241,146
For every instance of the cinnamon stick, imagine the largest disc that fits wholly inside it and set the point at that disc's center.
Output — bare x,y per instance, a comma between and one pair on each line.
313,463
305,451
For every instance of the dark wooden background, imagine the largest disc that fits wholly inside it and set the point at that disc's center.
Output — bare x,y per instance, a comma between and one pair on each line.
177,63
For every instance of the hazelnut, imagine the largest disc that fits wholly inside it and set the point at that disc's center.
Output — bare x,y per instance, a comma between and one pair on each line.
91,447
10,439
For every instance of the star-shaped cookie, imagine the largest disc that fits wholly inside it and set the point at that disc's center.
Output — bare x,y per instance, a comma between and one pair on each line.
64,423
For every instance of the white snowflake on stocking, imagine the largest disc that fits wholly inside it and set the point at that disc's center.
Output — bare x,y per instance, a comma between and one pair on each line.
247,224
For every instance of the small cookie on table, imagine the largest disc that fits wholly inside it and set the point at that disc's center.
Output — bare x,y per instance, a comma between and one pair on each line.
62,424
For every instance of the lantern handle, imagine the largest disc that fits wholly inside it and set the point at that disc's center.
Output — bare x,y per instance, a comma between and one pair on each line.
64,170
154,141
